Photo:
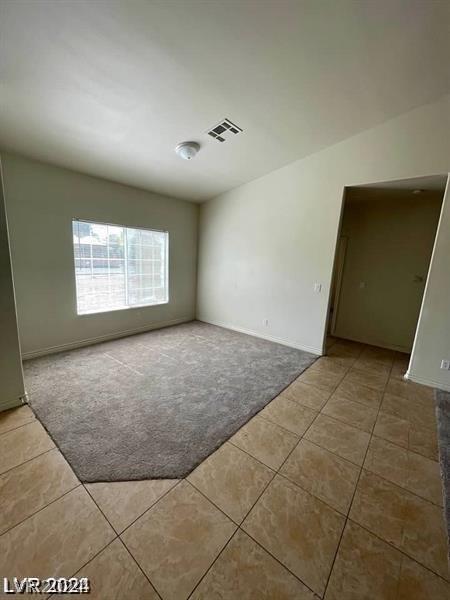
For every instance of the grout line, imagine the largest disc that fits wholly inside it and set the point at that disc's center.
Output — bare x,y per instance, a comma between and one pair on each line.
284,428
147,509
32,458
353,495
239,525
41,509
279,562
214,562
86,563
338,456
139,567
18,426
400,550
213,503
158,593
336,418
119,534
254,457
315,496
98,506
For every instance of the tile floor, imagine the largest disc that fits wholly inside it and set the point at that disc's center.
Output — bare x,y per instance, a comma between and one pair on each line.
332,491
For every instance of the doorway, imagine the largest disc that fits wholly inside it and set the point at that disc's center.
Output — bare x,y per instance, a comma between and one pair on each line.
383,254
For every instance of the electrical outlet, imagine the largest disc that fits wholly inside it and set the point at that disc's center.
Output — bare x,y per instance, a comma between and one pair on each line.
445,364
266,322
317,288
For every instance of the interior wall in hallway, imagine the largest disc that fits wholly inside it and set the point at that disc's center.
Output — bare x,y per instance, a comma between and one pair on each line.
11,379
390,236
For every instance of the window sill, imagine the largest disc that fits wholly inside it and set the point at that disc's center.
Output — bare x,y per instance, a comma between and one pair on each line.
121,308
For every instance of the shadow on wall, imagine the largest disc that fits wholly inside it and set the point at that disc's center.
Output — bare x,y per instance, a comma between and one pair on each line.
382,261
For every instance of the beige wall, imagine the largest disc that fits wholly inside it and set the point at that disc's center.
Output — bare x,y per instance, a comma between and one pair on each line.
41,201
11,378
390,236
263,245
432,342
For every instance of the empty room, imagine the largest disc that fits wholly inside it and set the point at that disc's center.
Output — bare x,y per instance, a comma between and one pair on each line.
225,299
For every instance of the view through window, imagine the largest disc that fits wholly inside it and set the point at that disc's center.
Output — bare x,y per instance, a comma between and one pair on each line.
119,267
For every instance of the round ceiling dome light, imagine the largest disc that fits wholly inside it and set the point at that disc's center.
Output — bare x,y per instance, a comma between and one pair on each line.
187,150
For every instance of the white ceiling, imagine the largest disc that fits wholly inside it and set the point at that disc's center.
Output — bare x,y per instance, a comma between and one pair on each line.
110,87
431,188
432,183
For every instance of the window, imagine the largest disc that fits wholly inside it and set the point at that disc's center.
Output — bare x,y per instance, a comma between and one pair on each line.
119,267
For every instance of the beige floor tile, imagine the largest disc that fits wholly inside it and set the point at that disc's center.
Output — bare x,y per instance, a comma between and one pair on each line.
419,413
122,502
298,529
353,413
290,415
114,575
305,394
412,471
232,480
399,368
340,357
392,428
387,460
424,441
383,355
359,393
346,349
365,567
32,485
418,583
375,381
24,443
373,365
330,340
407,435
245,571
266,441
323,474
342,439
57,541
424,535
380,507
325,381
15,417
177,540
410,523
409,390
424,478
328,364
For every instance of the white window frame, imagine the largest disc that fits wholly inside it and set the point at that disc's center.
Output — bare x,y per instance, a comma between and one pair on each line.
125,307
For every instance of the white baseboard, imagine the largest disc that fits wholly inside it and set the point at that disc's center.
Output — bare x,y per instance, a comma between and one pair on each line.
102,338
425,381
270,338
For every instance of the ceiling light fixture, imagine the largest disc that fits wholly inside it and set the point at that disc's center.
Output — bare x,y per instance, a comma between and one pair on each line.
187,150
418,191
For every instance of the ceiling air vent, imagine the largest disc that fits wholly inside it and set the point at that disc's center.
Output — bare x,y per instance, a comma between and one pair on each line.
224,130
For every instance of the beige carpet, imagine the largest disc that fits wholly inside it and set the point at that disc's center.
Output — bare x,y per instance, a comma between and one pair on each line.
155,405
